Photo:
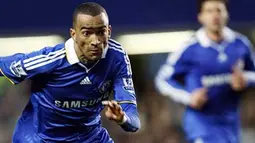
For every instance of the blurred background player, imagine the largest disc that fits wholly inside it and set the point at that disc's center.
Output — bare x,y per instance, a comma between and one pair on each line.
72,83
208,75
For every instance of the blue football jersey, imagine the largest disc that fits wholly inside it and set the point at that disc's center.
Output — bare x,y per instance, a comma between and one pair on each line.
204,63
66,98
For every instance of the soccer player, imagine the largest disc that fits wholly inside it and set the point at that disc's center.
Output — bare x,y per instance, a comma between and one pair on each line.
208,75
72,83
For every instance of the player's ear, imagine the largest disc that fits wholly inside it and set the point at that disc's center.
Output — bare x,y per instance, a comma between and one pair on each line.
199,18
73,34
227,17
109,31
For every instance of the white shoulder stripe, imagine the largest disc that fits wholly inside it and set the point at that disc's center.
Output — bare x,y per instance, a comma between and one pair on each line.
116,47
117,50
245,41
112,40
42,56
115,43
174,57
49,57
45,62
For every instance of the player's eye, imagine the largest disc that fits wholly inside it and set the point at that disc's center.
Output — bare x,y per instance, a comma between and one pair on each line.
101,33
219,10
86,33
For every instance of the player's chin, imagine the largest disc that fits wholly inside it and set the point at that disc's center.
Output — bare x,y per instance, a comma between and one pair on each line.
95,57
216,27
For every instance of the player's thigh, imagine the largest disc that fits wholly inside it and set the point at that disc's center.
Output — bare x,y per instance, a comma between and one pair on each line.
25,134
102,137
26,138
210,139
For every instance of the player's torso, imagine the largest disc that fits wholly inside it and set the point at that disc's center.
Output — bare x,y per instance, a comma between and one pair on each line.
212,68
65,103
70,99
88,85
77,87
211,61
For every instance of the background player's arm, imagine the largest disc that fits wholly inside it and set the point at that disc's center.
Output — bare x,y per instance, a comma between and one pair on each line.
19,67
167,80
124,95
249,65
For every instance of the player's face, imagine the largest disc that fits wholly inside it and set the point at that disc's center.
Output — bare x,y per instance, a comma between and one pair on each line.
91,34
213,15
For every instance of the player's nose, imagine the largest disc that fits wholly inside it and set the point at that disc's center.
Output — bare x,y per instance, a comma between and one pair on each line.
95,41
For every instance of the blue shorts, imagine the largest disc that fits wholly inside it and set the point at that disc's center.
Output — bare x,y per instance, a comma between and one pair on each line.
25,133
25,137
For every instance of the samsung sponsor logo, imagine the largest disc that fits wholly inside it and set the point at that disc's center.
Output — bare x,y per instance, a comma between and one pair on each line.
80,103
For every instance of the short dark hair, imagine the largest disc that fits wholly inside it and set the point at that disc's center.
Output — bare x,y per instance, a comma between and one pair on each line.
88,8
201,3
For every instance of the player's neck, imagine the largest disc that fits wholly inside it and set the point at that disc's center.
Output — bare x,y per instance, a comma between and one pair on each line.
216,36
81,57
79,54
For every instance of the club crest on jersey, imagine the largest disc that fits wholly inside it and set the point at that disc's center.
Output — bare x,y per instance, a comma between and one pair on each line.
222,57
105,86
17,69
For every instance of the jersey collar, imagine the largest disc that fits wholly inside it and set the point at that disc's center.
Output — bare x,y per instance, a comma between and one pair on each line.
228,34
71,54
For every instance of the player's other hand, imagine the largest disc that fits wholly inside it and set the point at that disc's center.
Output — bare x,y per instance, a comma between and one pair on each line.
198,98
114,111
238,81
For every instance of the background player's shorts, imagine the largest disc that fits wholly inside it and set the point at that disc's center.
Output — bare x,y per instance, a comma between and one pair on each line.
214,139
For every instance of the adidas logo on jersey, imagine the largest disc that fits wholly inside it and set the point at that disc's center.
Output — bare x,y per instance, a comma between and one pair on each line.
85,81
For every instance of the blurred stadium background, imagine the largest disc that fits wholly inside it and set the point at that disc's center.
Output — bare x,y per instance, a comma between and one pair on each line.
148,30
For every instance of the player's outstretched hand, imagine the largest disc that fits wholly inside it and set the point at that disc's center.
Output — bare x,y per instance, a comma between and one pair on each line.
114,111
198,98
238,81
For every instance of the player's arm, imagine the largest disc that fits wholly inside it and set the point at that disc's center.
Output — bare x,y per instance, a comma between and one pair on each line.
124,109
20,66
167,80
125,114
249,67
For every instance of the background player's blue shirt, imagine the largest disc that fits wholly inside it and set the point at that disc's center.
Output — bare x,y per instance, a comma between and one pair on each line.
66,98
203,63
